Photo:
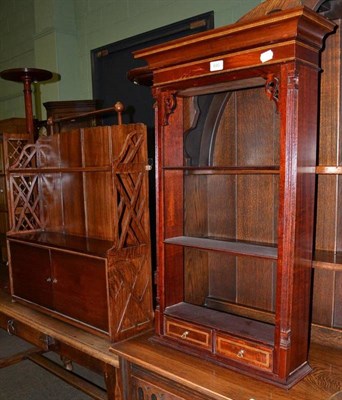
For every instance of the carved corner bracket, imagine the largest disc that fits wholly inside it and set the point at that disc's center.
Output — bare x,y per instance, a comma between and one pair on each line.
169,105
272,89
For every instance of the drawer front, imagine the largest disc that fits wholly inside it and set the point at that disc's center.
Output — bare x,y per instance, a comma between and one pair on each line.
24,331
244,351
189,333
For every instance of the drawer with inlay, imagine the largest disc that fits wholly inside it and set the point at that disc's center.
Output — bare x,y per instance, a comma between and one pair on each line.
243,351
188,333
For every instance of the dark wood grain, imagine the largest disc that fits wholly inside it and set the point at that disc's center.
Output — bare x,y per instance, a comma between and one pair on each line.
79,288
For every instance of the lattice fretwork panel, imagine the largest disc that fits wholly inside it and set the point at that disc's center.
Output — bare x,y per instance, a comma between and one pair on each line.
14,149
25,202
130,181
129,266
31,156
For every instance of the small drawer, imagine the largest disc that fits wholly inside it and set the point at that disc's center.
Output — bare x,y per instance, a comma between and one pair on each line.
189,333
244,351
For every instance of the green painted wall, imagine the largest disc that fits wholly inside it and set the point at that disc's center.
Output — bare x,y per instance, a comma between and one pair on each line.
58,35
16,49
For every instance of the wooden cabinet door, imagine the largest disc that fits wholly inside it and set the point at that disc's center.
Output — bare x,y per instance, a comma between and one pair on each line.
31,273
79,288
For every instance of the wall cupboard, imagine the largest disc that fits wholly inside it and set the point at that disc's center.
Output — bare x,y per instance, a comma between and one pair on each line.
79,240
236,148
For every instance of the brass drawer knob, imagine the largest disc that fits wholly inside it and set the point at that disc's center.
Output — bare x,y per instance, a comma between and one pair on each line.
241,353
185,334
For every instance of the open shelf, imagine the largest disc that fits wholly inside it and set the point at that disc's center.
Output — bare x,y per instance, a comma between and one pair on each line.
221,321
267,170
232,247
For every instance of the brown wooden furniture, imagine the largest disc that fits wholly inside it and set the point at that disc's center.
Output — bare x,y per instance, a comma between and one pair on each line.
236,143
46,333
26,76
154,372
79,228
59,109
13,125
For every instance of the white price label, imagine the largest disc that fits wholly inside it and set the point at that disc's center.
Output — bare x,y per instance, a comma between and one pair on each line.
266,56
216,65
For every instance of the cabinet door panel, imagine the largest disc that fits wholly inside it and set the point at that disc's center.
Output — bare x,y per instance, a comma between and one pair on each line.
30,271
79,288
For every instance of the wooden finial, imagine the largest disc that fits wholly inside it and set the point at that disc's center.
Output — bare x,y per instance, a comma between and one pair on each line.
119,107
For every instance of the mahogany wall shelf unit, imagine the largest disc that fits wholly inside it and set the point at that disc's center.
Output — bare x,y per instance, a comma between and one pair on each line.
236,154
79,239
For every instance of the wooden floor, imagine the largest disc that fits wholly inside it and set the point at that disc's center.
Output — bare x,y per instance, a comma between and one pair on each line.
223,384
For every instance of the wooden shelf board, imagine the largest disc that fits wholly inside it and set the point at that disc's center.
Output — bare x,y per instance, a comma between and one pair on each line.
328,260
237,248
57,240
329,170
221,321
192,170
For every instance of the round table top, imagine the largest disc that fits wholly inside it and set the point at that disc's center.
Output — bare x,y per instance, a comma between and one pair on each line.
21,74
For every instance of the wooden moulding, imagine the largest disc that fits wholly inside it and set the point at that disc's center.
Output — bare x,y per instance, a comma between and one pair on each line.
290,34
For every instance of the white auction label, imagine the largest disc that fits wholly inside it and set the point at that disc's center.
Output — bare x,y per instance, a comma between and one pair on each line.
216,65
266,56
